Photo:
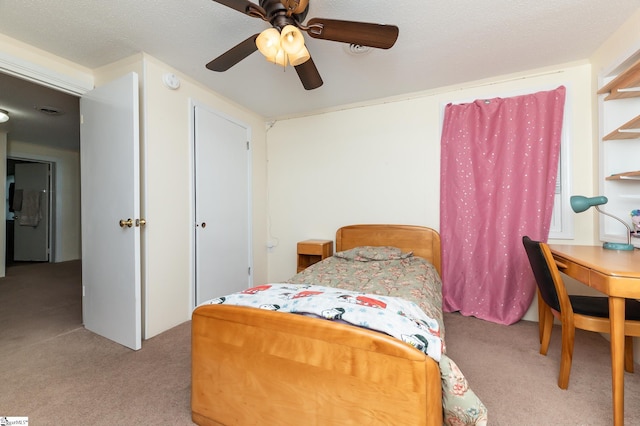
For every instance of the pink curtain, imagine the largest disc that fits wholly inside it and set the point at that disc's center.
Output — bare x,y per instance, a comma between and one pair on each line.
499,162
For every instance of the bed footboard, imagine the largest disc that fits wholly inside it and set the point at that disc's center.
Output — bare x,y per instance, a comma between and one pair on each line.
253,366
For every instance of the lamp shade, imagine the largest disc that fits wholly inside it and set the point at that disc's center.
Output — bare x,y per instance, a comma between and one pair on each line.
4,116
279,59
580,203
300,57
268,43
291,39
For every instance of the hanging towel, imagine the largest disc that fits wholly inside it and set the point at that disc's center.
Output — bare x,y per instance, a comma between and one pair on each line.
30,214
16,204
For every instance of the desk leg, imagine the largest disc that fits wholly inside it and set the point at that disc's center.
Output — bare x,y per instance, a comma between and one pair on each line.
616,314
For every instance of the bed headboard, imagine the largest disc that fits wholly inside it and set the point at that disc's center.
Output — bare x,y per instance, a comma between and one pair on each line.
422,241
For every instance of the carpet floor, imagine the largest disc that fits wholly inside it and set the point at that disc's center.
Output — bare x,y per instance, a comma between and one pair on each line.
55,372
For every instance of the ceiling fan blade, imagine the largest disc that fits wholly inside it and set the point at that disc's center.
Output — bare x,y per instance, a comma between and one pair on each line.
309,75
234,55
243,6
360,33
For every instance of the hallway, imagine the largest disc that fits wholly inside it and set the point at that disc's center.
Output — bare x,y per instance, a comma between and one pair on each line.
39,301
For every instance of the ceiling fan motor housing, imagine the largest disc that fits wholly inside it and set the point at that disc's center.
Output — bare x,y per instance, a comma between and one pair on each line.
277,14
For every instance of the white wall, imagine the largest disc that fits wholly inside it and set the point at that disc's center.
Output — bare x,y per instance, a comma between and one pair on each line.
166,174
375,163
620,46
168,196
166,162
380,163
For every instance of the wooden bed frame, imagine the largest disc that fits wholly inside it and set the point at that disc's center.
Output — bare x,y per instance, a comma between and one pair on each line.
259,367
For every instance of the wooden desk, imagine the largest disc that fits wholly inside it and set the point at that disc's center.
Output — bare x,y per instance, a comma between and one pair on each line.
616,274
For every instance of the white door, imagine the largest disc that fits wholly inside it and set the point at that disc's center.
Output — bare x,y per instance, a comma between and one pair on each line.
31,217
222,227
109,161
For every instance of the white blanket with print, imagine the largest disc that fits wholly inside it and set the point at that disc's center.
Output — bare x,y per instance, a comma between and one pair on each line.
396,317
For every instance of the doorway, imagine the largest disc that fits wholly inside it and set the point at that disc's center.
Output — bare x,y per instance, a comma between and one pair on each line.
29,212
43,128
68,195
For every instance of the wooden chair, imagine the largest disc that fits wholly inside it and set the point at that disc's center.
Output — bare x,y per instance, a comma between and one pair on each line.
583,312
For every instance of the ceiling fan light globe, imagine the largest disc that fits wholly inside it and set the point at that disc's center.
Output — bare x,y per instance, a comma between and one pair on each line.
280,58
299,57
291,39
268,42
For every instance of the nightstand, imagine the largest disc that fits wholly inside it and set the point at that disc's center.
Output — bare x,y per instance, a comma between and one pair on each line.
313,251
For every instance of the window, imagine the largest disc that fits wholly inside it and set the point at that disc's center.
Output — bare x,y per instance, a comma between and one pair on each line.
562,218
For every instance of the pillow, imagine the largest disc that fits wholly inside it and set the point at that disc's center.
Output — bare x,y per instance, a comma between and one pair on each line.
373,253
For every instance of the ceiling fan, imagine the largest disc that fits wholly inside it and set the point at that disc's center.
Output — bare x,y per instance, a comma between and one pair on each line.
286,44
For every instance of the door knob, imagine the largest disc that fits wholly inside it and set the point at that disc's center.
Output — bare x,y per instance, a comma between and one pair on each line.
141,222
128,223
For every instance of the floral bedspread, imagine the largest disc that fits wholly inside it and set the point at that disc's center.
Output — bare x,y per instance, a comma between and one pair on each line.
389,272
384,271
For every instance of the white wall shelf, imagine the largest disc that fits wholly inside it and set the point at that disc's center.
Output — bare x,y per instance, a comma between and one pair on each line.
625,84
619,104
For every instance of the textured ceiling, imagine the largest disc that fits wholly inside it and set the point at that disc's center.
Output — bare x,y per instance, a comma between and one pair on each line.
31,109
440,43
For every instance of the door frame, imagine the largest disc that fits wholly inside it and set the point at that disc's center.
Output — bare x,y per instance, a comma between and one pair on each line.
74,81
52,211
192,196
78,85
30,71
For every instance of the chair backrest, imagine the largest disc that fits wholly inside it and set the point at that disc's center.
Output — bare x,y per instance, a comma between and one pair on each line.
543,271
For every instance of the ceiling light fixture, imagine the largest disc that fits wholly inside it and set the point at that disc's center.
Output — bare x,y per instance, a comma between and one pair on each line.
4,116
283,47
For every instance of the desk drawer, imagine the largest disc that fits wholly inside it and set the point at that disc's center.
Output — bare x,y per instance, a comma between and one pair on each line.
577,272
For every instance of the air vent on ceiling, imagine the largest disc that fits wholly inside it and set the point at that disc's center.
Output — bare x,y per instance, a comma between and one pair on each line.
49,110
